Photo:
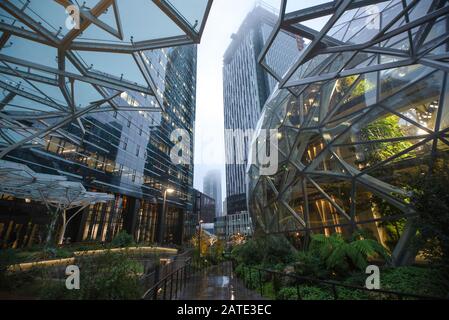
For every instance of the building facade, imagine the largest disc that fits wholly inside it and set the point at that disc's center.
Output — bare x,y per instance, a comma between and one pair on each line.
356,128
100,118
234,224
204,207
128,154
212,187
246,87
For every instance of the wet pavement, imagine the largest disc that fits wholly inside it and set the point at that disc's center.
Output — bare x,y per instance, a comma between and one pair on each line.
217,283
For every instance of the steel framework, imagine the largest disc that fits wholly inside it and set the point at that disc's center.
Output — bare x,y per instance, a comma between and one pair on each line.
362,108
39,99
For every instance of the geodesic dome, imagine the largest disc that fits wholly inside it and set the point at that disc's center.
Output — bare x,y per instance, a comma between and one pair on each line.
362,110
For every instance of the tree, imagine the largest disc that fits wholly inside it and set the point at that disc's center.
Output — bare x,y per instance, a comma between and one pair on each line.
385,128
205,241
381,129
431,202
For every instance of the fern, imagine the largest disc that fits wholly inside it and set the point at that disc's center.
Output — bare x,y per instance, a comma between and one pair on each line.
341,256
356,256
338,257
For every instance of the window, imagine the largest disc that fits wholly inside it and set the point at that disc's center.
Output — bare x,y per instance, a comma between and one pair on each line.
125,143
134,175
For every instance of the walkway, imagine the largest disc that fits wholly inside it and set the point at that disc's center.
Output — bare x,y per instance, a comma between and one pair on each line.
217,283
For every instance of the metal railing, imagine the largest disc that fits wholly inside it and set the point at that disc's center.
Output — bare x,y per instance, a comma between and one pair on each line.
256,278
172,284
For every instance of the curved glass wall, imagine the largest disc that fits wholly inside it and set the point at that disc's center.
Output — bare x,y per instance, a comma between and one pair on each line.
93,90
362,111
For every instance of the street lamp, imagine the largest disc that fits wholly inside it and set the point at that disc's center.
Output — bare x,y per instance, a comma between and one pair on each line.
199,236
164,208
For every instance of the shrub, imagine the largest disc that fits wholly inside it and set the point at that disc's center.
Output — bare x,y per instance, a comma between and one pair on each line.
288,293
416,280
56,253
268,250
315,293
352,294
247,253
310,264
214,253
7,257
431,202
122,240
407,279
109,276
250,277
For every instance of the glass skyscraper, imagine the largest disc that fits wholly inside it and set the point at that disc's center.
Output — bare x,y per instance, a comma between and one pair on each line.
212,187
246,87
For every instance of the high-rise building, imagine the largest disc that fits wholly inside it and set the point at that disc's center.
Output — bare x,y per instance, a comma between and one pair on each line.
203,207
234,224
246,87
212,187
68,111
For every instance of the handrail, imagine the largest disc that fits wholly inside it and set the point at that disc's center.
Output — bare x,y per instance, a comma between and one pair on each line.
173,282
336,284
164,279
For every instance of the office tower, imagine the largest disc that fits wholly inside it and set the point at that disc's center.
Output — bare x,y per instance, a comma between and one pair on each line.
212,187
234,224
100,113
204,207
246,87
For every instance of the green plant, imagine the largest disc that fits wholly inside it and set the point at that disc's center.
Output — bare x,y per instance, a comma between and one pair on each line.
250,276
315,293
269,291
309,263
380,129
215,252
353,294
269,250
247,253
417,280
56,253
341,257
122,240
109,276
431,202
7,258
288,293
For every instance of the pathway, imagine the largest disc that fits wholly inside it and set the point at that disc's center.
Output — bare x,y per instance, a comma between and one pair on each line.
217,283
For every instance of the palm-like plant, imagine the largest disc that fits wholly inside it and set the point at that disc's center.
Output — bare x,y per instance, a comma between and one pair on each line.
341,256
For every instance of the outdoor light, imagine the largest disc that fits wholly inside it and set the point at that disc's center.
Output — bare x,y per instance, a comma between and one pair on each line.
170,190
